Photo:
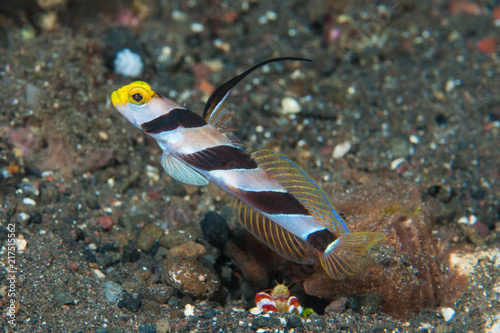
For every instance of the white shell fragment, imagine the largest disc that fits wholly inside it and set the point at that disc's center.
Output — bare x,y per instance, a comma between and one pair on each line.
99,274
29,201
23,217
414,139
5,173
256,311
341,149
21,244
271,16
290,105
447,313
197,27
128,63
397,162
189,310
472,219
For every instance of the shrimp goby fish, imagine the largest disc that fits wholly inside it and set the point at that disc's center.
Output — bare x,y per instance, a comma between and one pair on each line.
275,199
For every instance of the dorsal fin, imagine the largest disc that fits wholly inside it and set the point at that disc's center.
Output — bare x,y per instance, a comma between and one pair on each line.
214,112
302,187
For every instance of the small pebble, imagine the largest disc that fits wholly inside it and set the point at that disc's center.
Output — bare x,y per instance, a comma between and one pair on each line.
103,136
290,105
29,187
106,222
414,139
183,274
73,266
21,244
130,302
24,218
62,296
271,16
256,311
29,201
162,326
215,229
197,27
148,236
397,162
337,306
179,16
426,327
113,291
153,172
454,36
487,45
189,249
449,85
6,173
463,220
218,43
99,274
189,310
447,313
341,149
262,20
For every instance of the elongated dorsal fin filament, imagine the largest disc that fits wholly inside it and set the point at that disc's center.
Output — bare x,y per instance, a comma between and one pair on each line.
214,112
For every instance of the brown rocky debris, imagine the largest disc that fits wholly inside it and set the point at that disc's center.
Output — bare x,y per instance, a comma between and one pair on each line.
406,271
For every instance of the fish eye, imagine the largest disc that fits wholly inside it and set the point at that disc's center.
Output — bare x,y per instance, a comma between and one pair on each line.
138,96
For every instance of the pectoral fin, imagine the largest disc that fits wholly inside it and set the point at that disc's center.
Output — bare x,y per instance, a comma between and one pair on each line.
181,171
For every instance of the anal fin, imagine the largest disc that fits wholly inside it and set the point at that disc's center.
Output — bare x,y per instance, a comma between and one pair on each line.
349,253
273,235
181,171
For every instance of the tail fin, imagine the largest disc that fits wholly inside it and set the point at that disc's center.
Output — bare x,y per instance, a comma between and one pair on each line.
348,254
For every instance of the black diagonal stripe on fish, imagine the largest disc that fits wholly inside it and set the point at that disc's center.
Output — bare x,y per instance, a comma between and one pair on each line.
172,120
